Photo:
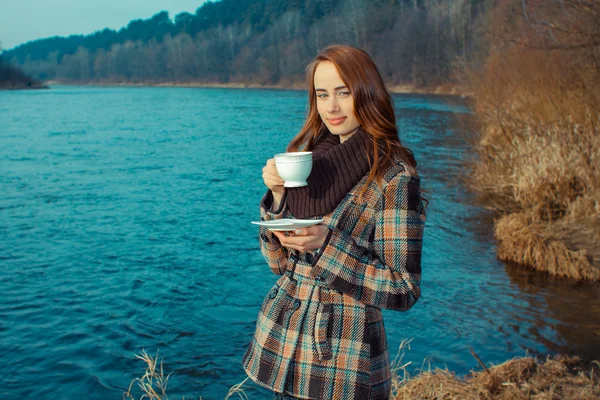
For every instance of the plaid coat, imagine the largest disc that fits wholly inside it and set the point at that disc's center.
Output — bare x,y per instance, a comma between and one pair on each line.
319,333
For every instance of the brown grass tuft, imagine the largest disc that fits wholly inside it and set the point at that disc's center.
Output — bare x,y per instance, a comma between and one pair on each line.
524,240
525,378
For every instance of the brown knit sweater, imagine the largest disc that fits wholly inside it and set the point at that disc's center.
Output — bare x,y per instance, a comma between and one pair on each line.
337,168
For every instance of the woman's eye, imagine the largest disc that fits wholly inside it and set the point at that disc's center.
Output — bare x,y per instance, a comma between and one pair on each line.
343,94
322,95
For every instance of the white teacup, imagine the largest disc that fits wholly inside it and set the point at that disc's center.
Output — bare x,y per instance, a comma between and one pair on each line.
294,168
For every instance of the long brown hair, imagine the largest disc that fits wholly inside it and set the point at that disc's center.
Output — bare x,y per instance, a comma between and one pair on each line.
373,108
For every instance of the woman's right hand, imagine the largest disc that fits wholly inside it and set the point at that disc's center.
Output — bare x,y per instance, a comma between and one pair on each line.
273,181
271,178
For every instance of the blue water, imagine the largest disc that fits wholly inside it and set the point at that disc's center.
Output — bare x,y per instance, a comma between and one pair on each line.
125,226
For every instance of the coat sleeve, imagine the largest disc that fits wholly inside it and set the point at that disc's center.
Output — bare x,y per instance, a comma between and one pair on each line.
389,274
274,253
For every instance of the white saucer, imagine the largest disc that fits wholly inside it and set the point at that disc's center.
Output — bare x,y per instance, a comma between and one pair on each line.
287,224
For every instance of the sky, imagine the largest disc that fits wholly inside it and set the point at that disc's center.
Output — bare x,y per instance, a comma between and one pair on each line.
25,20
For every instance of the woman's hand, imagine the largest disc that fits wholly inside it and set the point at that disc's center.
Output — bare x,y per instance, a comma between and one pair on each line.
274,182
271,178
305,239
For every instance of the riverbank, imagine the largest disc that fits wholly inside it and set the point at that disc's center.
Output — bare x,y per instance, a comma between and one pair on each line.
538,149
558,377
12,78
444,89
22,86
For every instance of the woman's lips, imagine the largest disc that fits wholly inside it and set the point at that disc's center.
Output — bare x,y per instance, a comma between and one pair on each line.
336,121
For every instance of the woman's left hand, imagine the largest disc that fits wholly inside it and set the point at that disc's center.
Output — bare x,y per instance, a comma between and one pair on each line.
305,239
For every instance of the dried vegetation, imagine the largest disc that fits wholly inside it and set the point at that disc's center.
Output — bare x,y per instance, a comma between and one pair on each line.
538,99
526,378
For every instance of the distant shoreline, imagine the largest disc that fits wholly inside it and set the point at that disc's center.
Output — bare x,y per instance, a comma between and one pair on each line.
22,86
445,89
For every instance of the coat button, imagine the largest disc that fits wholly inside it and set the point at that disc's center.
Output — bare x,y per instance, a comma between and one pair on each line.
273,294
296,304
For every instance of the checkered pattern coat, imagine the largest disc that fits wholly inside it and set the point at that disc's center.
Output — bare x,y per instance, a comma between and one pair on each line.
320,333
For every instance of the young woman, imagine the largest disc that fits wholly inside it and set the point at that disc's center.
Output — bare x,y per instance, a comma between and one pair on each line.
320,333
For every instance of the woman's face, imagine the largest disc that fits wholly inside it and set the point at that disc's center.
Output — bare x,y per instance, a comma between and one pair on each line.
335,103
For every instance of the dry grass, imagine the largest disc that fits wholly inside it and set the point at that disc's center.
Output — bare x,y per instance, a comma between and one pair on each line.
539,153
529,242
153,384
561,377
524,378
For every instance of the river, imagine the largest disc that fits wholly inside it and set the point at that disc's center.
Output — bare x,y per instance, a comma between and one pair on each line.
125,226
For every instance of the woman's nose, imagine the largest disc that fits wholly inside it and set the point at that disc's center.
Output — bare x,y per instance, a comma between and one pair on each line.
332,105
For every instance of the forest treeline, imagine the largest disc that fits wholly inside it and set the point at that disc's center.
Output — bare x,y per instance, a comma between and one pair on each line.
421,42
